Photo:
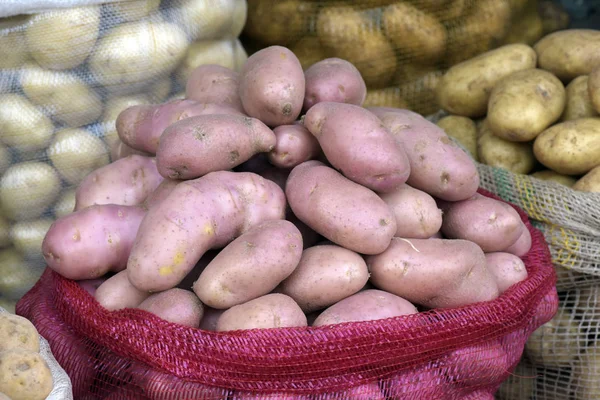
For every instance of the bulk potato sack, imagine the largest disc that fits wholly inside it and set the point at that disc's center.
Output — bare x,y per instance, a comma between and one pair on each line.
67,70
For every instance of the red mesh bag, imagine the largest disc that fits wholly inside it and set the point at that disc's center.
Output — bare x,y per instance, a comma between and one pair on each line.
461,353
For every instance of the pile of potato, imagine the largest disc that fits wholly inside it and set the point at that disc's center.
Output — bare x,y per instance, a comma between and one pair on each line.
271,198
67,76
531,110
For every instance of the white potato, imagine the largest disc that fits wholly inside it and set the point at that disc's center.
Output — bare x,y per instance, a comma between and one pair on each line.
112,109
219,52
4,232
16,42
22,126
5,158
160,90
207,19
65,204
133,10
27,236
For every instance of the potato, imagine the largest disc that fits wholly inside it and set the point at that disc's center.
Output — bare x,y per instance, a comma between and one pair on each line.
472,364
133,10
551,176
4,232
132,54
333,80
13,39
426,381
18,333
5,158
112,108
160,90
127,182
522,245
8,305
425,143
464,130
381,165
590,182
309,50
277,69
465,88
585,373
251,266
91,285
414,34
75,153
269,396
554,16
571,147
24,375
63,38
27,236
207,52
175,305
525,103
355,218
388,97
325,275
65,205
294,144
569,53
350,35
161,192
507,268
369,391
209,212
528,27
273,310
16,275
594,88
159,386
520,385
278,22
117,293
214,84
417,214
27,189
579,103
516,157
210,318
435,273
208,19
22,126
195,146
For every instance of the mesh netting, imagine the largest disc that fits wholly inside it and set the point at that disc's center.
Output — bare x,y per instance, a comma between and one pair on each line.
462,353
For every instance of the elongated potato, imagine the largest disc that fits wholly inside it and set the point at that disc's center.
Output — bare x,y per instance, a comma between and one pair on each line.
579,104
454,179
27,236
569,53
22,126
590,182
516,157
594,88
195,146
334,80
117,293
65,204
24,374
175,305
214,84
272,86
417,214
507,268
522,245
381,164
571,147
355,218
17,275
325,275
435,273
161,192
294,144
273,310
462,129
465,88
18,333
112,108
550,176
251,266
208,212
159,386
127,182
91,242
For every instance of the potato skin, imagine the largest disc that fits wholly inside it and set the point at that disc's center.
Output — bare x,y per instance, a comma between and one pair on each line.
272,86
522,245
569,53
117,293
507,268
251,266
525,103
161,192
214,84
273,310
516,157
594,88
22,126
325,275
367,305
355,142
24,375
590,182
571,147
175,305
441,274
18,333
465,88
91,242
551,176
294,144
462,129
355,218
579,103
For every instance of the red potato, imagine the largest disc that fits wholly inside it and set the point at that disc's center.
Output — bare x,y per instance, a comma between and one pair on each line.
438,166
356,144
91,242
417,214
325,275
335,80
188,282
272,86
195,146
421,383
522,245
140,127
117,293
161,386
294,145
270,396
251,266
198,215
175,305
492,224
273,310
435,273
369,391
161,192
127,182
507,268
214,84
120,150
210,318
344,212
477,364
91,285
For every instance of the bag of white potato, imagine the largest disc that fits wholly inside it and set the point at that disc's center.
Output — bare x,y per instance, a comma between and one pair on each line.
69,72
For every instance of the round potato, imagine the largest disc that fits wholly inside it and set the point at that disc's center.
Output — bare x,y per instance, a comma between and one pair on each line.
63,38
278,22
549,175
594,88
309,50
508,269
22,126
516,157
133,10
219,52
117,293
464,130
28,189
579,103
590,182
569,53
209,19
571,147
175,305
18,333
525,103
24,375
75,153
27,236
16,275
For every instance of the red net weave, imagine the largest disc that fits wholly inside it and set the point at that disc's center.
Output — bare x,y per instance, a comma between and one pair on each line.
461,353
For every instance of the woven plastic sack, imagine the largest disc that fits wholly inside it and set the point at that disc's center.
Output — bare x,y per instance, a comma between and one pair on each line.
462,353
65,74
